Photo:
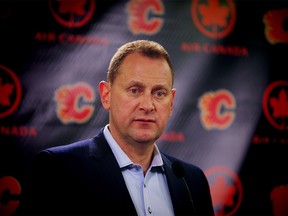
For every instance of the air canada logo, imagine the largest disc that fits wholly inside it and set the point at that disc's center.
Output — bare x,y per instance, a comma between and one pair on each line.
10,191
72,14
10,91
274,21
144,16
74,103
217,109
214,18
275,104
226,190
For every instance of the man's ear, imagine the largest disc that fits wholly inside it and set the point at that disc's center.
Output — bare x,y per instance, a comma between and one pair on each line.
104,90
172,101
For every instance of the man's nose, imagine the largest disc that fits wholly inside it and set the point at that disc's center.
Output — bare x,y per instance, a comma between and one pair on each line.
147,103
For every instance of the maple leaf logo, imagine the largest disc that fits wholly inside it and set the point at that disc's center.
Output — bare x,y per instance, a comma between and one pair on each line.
214,18
222,193
275,104
72,7
6,90
213,14
226,190
72,13
280,105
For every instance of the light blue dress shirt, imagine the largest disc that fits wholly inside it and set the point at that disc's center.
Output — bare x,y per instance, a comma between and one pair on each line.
150,193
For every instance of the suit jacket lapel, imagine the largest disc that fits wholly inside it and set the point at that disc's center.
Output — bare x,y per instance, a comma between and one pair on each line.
178,190
111,176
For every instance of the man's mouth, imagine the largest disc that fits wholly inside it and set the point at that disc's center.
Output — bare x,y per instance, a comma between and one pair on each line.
144,120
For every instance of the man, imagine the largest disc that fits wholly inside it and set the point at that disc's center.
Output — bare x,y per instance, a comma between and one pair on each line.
121,171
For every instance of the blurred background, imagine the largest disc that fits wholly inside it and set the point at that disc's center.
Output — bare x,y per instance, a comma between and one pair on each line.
231,108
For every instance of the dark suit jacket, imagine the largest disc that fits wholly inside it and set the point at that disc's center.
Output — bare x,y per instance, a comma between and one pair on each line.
85,178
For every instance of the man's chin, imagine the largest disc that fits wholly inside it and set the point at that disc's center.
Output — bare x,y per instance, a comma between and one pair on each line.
146,139
147,135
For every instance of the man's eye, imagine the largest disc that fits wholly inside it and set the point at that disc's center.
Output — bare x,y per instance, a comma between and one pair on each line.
159,94
134,91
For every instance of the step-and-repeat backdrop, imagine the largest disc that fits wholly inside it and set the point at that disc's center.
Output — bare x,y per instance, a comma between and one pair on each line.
231,112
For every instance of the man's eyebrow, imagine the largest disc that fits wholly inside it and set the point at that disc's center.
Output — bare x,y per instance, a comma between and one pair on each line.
165,87
135,83
140,84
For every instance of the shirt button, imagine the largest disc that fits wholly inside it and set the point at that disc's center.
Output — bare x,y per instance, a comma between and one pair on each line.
149,210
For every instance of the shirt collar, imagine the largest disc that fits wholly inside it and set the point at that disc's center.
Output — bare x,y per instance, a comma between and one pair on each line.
121,157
